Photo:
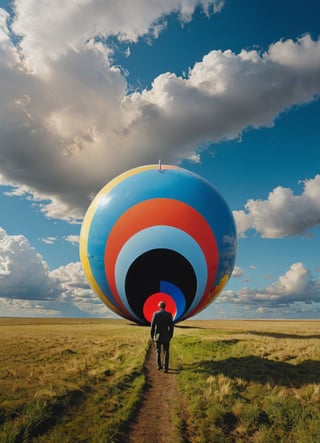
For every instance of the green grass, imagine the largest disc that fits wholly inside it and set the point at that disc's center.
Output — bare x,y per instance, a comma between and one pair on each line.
60,377
256,385
81,380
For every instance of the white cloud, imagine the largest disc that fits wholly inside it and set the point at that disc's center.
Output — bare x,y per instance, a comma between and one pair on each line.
49,240
296,286
68,123
50,31
283,213
11,307
74,239
243,221
28,288
76,291
4,31
24,275
237,272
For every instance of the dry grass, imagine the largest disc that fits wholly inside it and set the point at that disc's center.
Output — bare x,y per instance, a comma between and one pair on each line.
81,380
251,381
55,369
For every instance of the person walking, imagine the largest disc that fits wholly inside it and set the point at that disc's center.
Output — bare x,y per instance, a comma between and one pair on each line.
161,332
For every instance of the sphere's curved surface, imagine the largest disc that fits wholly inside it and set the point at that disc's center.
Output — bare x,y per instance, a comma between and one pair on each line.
158,233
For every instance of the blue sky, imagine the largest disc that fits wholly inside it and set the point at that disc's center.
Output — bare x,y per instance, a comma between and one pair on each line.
227,89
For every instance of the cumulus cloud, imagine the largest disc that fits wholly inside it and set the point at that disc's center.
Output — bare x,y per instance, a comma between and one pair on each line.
69,124
27,287
23,273
80,21
76,291
283,214
296,286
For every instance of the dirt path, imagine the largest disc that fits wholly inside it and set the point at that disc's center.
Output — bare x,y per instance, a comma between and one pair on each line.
154,422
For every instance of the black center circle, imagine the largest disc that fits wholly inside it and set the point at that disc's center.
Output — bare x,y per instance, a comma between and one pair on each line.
149,269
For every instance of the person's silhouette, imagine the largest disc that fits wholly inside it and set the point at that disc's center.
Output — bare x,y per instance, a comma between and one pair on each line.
162,332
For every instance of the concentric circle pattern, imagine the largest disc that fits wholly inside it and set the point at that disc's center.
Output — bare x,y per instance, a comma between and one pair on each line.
156,234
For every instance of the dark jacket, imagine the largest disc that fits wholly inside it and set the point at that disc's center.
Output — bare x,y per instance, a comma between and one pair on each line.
162,324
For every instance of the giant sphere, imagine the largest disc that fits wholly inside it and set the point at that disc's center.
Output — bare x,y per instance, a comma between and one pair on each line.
158,233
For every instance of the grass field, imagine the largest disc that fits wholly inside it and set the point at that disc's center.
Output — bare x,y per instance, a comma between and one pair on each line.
78,380
251,381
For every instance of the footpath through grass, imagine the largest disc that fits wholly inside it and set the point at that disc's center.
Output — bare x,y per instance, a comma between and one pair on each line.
81,380
250,381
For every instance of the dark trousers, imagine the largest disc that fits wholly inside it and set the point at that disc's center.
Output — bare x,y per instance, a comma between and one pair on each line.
162,350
